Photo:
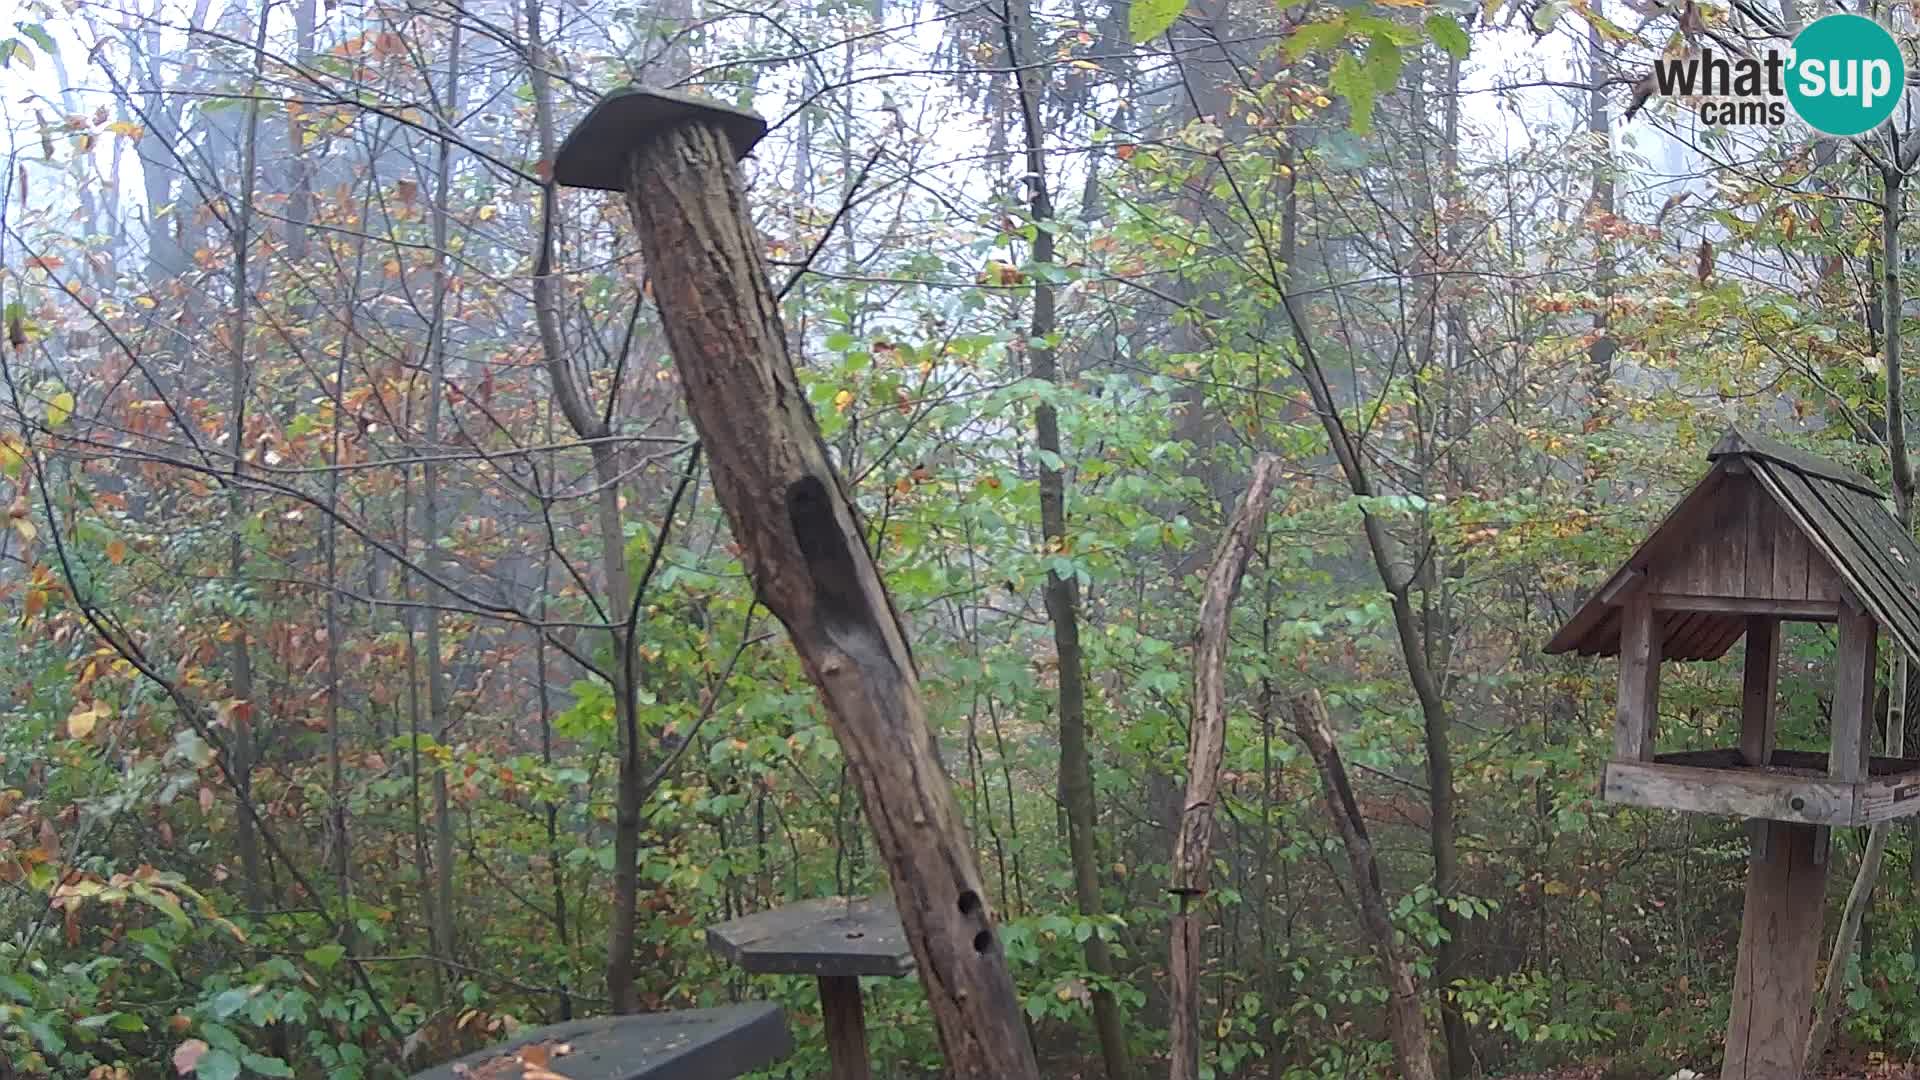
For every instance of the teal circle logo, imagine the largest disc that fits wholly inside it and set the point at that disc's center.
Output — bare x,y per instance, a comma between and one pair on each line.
1846,74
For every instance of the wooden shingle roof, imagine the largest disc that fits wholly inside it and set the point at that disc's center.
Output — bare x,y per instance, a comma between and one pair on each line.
1843,525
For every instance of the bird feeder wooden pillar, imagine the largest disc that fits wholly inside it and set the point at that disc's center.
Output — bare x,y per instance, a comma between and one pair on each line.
675,158
1770,535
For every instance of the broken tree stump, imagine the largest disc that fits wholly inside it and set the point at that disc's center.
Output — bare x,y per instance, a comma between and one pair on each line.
801,539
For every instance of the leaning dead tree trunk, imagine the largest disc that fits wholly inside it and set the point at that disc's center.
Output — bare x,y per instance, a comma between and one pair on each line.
1405,1027
801,539
1206,745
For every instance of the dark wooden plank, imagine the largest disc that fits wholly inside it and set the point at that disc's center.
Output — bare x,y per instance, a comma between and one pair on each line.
1878,542
1859,532
1733,792
1825,533
1885,542
1726,630
1578,634
1676,629
1637,707
1739,443
1779,947
1791,552
693,1044
1724,547
1797,610
1715,758
831,936
1854,667
1877,765
1758,689
1762,531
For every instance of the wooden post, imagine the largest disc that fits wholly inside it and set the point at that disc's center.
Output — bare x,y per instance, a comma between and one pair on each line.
1779,946
846,1022
801,540
1854,665
1206,743
1637,711
1759,683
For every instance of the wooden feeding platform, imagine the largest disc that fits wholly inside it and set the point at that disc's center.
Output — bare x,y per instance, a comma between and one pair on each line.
1769,535
836,940
1792,785
690,1044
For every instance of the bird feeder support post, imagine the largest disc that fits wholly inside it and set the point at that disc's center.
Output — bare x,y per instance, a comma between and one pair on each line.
801,540
846,1024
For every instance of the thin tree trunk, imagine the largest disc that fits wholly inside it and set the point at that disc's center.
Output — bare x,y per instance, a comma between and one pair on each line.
1397,577
1832,999
1206,746
437,706
239,375
619,598
1406,1028
1062,592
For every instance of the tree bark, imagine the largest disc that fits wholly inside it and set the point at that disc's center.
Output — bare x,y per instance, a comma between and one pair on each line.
1206,746
802,543
1405,1026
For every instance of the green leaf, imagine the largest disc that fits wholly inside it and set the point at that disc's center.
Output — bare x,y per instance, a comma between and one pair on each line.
1446,32
1351,80
59,408
1383,63
218,1065
44,1034
229,1002
1547,14
325,957
16,989
39,35
1316,36
1150,18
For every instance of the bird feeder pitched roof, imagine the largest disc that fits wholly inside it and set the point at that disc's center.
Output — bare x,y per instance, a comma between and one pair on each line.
1768,530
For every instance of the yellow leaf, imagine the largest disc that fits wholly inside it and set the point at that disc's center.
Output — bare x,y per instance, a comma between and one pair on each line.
81,721
842,400
59,408
12,456
26,528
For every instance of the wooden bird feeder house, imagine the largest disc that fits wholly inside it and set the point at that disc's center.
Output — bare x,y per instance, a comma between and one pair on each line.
1770,535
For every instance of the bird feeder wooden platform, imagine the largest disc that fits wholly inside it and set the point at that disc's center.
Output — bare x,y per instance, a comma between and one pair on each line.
836,940
691,1044
1770,535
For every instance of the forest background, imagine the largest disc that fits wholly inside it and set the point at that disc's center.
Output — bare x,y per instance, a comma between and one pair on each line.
379,672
